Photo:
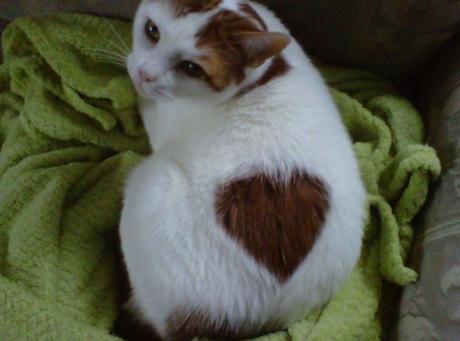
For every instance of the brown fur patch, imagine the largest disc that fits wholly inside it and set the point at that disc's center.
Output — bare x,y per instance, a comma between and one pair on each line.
185,7
231,43
226,59
186,325
278,68
276,223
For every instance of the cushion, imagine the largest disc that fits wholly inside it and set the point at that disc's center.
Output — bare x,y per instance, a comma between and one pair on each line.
395,38
430,307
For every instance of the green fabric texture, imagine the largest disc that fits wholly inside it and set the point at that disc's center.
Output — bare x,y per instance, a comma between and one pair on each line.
70,133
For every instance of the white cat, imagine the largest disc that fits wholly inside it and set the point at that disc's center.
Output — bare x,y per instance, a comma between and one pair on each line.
250,212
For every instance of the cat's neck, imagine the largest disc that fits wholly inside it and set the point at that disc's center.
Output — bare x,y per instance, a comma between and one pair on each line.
165,120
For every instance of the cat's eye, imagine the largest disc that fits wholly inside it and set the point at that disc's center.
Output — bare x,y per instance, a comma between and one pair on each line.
191,69
151,31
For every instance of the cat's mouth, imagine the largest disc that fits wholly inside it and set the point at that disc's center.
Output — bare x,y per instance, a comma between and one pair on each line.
160,94
155,93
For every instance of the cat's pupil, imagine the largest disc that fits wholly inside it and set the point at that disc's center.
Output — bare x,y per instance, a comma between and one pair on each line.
151,31
191,69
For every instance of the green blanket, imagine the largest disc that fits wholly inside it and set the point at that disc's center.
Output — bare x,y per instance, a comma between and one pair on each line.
69,134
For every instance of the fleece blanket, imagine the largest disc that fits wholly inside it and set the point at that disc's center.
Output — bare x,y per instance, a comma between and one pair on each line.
69,135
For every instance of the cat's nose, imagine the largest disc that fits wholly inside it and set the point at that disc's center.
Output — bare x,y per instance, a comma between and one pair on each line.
145,76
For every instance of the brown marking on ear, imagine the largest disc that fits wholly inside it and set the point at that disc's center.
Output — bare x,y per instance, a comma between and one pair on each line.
277,68
185,7
276,223
260,46
186,324
231,43
249,10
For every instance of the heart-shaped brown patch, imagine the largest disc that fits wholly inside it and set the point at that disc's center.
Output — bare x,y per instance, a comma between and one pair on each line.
275,222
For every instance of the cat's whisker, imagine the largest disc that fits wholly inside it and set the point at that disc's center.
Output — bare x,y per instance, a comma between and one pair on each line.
118,36
99,49
112,44
109,60
113,63
109,57
108,52
101,57
104,58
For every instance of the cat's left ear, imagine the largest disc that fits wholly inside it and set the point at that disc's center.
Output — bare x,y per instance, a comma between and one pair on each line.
259,46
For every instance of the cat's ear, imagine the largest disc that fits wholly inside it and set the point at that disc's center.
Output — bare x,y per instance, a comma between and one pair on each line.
259,46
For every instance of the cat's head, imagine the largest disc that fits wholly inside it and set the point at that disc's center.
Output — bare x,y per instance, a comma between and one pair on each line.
198,48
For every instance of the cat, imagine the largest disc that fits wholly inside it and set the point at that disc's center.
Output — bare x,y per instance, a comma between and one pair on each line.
249,214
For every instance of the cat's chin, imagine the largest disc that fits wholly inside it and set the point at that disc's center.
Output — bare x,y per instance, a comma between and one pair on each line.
161,95
155,95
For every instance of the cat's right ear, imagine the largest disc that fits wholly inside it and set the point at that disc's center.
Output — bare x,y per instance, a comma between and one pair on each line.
260,46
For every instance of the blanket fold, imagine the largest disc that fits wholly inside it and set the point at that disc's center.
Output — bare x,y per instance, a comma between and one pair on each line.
69,135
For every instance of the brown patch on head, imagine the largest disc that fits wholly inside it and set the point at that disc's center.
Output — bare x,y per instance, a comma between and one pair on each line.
276,223
186,324
232,42
185,7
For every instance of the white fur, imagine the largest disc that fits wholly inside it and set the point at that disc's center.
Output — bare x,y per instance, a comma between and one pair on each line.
176,253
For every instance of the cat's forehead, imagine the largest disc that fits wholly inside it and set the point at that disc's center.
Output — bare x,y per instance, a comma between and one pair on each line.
182,8
206,10
185,7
